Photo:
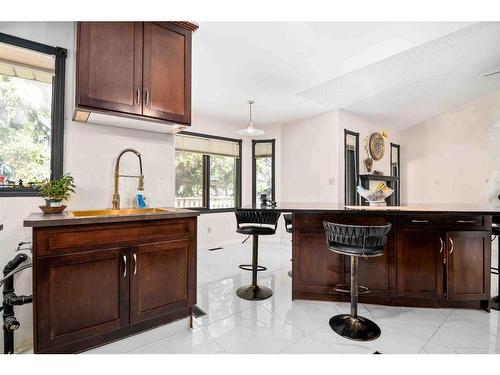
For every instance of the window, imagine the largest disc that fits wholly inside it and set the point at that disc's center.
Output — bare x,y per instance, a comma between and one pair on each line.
263,179
396,172
351,167
207,172
31,114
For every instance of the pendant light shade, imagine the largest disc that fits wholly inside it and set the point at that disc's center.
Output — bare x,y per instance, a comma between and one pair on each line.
250,130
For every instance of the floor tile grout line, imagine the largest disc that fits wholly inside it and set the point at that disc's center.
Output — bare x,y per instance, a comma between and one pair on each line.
438,328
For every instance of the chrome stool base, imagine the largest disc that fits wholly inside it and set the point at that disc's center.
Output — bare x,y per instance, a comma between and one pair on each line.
355,328
254,292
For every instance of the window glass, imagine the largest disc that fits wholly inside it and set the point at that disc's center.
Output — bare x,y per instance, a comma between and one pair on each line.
188,180
222,181
207,171
25,128
264,176
263,169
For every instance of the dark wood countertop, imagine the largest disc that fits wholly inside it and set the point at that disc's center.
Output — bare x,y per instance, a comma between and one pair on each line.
39,219
405,208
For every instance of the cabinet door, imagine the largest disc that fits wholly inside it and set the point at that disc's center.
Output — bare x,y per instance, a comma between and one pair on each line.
377,273
109,66
316,269
163,278
80,296
167,72
469,262
420,264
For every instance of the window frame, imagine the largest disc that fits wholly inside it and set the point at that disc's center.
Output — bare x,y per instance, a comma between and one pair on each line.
254,168
356,135
397,190
57,110
206,175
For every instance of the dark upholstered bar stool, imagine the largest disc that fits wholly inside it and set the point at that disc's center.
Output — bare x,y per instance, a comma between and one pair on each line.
255,223
289,229
355,241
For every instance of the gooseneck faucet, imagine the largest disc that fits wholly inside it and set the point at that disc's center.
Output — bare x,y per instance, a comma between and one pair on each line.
116,195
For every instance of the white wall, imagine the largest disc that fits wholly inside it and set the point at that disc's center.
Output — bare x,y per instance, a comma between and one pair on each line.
90,151
454,157
309,159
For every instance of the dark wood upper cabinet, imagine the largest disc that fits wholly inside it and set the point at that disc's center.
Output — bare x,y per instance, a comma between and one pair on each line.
469,254
167,72
109,66
139,70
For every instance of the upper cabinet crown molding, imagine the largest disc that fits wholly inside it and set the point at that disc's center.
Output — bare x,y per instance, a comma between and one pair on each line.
134,74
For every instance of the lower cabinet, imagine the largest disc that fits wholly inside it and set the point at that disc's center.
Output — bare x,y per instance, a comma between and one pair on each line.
420,259
468,265
444,266
87,297
160,280
79,296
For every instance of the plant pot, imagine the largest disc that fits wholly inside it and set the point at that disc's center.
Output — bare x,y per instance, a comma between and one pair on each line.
368,164
53,202
47,210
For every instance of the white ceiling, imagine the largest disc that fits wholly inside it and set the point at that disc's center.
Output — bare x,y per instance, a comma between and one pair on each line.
291,69
420,83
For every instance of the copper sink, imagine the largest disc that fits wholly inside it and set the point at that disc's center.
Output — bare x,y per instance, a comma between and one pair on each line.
120,212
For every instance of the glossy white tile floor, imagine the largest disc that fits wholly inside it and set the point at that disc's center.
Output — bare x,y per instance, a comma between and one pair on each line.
279,325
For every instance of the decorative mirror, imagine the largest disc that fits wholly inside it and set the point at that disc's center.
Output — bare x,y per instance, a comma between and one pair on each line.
377,146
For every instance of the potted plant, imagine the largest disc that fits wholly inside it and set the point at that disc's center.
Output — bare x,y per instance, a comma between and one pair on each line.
55,191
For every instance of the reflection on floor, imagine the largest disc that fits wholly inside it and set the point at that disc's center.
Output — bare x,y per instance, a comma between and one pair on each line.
279,325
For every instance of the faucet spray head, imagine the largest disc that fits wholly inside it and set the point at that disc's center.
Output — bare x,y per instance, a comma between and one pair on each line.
141,183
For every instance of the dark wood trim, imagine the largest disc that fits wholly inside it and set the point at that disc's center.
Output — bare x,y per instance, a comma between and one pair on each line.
398,183
57,110
187,25
354,134
273,166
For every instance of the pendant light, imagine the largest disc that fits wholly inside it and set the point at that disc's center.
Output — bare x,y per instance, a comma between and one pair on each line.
250,130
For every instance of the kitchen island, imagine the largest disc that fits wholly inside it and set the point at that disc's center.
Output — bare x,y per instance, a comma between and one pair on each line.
435,256
101,275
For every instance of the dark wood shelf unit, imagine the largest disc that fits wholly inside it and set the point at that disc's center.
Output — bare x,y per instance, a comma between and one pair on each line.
391,183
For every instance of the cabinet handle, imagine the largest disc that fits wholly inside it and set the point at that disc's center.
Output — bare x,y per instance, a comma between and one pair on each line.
135,263
466,221
419,221
147,98
124,266
138,98
452,245
442,245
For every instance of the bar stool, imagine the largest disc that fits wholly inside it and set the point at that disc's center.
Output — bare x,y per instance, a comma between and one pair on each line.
289,229
255,223
355,241
495,231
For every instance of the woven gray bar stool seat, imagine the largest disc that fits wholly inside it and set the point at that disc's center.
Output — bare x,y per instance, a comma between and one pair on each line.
355,241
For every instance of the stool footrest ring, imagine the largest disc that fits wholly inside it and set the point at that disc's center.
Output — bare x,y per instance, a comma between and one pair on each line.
248,267
345,288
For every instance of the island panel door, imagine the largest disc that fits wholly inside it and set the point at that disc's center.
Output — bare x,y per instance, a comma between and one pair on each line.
469,262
